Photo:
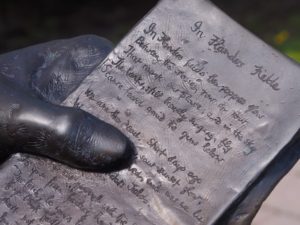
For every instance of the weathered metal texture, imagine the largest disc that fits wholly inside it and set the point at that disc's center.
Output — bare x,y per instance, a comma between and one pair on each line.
208,105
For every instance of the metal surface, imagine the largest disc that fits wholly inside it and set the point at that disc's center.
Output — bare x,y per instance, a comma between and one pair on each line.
208,105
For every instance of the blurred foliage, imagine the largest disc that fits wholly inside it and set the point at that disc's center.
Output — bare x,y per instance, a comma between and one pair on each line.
24,23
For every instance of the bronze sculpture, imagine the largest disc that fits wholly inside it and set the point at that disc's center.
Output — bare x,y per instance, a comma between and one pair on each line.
242,209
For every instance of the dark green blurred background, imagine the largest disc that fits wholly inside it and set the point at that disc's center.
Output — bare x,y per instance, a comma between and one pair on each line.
24,23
